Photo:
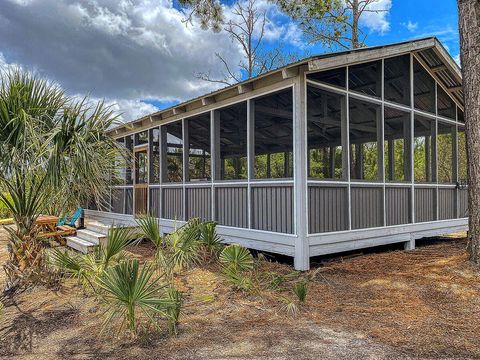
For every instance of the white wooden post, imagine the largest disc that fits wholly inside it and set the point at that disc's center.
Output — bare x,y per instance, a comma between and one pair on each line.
302,248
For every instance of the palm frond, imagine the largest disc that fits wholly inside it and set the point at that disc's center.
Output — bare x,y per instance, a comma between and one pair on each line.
130,292
150,229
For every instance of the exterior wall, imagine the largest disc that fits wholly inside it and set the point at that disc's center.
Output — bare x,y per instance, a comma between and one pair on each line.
302,217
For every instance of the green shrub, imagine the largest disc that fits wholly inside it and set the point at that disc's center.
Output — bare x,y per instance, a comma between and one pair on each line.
209,237
133,297
236,257
301,289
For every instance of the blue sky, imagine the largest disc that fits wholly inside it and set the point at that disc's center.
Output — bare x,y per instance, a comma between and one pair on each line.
140,56
427,17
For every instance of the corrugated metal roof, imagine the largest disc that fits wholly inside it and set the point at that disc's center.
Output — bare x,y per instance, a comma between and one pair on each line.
433,58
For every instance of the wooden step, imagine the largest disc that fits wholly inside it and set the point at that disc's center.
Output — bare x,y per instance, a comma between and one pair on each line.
92,236
78,244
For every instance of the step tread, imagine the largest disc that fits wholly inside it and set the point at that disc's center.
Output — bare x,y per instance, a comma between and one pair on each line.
80,241
78,244
90,232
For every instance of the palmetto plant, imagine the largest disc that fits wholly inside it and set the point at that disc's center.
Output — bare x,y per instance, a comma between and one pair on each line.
54,154
209,238
149,227
236,257
133,296
182,245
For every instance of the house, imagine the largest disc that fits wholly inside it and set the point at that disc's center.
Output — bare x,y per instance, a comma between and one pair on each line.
332,153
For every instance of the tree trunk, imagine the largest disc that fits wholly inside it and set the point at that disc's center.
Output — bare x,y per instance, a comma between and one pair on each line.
469,24
355,17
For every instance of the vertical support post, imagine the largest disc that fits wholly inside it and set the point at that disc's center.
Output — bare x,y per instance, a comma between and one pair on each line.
186,153
163,165
412,139
345,129
457,177
434,152
302,246
215,156
455,165
250,155
381,143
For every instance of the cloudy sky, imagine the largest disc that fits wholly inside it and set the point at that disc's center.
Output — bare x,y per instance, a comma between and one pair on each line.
140,56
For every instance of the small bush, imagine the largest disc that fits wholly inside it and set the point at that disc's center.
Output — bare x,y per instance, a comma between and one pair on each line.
301,289
134,298
210,239
237,258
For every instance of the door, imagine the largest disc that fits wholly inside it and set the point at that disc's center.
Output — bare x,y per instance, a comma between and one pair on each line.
141,182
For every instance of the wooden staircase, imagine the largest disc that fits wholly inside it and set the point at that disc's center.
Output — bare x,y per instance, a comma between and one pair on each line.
92,235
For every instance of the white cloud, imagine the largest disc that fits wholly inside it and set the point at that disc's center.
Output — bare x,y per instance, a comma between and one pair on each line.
376,17
120,50
131,109
410,26
124,50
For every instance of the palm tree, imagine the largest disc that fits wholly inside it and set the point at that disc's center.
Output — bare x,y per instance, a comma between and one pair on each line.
54,155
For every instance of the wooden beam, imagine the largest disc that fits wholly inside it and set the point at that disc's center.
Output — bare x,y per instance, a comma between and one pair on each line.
244,88
438,68
178,110
455,88
288,73
208,100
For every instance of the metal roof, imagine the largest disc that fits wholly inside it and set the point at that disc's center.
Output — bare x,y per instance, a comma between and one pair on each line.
432,54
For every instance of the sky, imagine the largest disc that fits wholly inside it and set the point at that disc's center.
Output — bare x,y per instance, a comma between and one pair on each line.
141,56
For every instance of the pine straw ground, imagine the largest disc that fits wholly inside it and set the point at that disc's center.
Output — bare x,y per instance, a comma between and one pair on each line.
392,304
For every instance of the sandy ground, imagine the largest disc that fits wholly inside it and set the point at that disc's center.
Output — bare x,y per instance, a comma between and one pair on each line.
389,305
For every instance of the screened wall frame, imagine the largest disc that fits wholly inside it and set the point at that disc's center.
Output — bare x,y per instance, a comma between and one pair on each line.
411,184
212,183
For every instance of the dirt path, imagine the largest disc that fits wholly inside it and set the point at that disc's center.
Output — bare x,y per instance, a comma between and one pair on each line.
389,305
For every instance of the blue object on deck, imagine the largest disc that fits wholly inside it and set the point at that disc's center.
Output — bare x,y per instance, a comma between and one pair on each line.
62,220
72,220
75,217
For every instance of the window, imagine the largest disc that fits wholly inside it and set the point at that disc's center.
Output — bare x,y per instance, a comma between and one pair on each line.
397,79
335,77
129,146
141,167
445,137
364,132
424,89
232,126
462,156
397,145
366,78
141,138
445,105
325,112
274,135
174,152
423,146
118,176
198,147
460,115
154,155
